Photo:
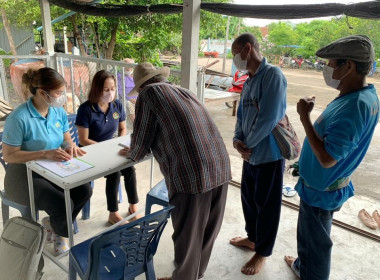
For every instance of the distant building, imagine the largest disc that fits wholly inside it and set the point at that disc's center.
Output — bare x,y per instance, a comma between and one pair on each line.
215,46
264,31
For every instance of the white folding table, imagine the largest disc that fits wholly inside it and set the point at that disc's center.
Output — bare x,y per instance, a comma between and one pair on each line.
105,159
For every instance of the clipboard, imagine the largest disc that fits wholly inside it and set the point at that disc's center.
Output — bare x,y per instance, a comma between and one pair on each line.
65,168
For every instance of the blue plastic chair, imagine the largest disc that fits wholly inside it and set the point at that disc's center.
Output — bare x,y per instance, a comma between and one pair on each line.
74,136
6,202
157,195
121,253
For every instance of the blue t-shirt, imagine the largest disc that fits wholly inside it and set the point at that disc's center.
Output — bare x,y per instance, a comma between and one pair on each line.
101,125
346,127
26,128
262,106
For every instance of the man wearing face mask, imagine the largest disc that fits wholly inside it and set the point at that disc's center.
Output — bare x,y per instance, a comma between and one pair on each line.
262,106
333,148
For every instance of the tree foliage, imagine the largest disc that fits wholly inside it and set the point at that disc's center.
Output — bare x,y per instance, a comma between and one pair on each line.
318,33
145,37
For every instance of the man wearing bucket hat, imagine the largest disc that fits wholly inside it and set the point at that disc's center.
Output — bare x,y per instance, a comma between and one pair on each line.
334,147
185,141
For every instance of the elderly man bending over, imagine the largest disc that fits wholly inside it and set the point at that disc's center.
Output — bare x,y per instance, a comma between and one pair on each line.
185,141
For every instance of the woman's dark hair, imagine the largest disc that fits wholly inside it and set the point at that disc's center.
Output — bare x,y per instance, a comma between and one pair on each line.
97,85
45,78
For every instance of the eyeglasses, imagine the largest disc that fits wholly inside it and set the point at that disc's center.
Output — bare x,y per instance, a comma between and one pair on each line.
59,93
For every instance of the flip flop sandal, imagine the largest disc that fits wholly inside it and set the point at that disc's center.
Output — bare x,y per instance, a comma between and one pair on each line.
367,219
376,217
288,191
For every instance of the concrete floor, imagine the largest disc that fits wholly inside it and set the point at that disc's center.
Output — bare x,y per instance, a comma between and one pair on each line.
354,257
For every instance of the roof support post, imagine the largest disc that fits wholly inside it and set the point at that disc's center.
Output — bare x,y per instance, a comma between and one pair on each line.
47,29
190,40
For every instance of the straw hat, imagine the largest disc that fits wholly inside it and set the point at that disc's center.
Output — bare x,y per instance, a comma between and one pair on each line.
145,71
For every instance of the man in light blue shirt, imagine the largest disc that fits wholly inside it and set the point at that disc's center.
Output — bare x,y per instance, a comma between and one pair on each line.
262,106
333,148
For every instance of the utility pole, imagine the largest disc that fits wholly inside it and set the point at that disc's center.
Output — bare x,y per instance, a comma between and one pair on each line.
225,44
46,23
238,27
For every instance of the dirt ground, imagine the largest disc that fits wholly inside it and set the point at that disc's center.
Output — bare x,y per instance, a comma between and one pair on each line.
303,83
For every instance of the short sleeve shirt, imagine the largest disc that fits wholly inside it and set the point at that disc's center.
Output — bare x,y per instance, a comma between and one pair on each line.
346,127
101,125
26,128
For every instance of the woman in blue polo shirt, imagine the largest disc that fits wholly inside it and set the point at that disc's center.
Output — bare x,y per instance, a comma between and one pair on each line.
38,129
97,120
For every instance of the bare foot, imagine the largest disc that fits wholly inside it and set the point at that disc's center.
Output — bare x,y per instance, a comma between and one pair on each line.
114,217
254,265
243,242
164,278
289,260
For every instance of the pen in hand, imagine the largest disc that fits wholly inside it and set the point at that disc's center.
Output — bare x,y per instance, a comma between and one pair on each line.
125,151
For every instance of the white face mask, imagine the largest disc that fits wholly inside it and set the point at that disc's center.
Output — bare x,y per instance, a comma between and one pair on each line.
239,62
56,102
108,96
327,75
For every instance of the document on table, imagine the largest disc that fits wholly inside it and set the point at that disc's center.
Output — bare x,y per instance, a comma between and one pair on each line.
65,168
126,143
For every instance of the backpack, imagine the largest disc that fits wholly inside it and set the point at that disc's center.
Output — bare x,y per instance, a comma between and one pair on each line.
21,246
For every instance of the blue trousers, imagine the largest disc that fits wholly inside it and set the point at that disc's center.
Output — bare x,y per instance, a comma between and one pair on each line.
261,195
313,242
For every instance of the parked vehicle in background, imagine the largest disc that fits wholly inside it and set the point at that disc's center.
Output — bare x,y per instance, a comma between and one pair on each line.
237,85
284,61
319,64
211,54
308,64
226,83
296,62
